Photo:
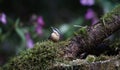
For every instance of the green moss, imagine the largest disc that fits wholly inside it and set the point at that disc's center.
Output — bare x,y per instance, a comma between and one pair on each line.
82,31
1,68
41,57
90,58
103,57
115,44
109,16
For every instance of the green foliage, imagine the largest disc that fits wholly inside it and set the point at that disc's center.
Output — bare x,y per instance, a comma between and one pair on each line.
19,31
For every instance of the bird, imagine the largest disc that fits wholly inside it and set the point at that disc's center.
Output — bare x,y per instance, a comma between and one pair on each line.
55,36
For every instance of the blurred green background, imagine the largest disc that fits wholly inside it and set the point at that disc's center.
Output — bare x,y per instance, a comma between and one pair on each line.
25,22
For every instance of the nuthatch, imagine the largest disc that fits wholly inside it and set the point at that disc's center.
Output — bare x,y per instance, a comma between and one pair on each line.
55,35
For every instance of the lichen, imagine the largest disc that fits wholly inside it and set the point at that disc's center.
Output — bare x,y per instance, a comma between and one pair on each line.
103,58
108,64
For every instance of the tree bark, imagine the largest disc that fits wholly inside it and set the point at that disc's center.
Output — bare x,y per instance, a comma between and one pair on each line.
106,26
110,64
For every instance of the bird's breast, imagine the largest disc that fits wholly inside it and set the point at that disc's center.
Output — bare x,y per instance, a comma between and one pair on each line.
55,37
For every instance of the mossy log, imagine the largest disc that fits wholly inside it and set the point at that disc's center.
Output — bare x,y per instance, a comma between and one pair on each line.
110,64
46,54
95,34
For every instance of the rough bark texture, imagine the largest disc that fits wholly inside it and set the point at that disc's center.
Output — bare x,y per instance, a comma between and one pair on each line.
107,25
111,64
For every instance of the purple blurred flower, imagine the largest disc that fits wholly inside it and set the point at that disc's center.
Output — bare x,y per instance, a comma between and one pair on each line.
94,21
29,41
39,26
87,2
3,18
39,30
40,21
91,15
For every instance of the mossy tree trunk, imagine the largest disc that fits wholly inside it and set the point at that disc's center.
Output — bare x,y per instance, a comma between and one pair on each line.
95,35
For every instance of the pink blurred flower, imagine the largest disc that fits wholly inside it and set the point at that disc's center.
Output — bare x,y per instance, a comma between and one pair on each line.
87,2
40,21
3,18
29,41
39,26
39,30
91,15
94,21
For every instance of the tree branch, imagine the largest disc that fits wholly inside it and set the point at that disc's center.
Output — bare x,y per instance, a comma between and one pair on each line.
107,25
